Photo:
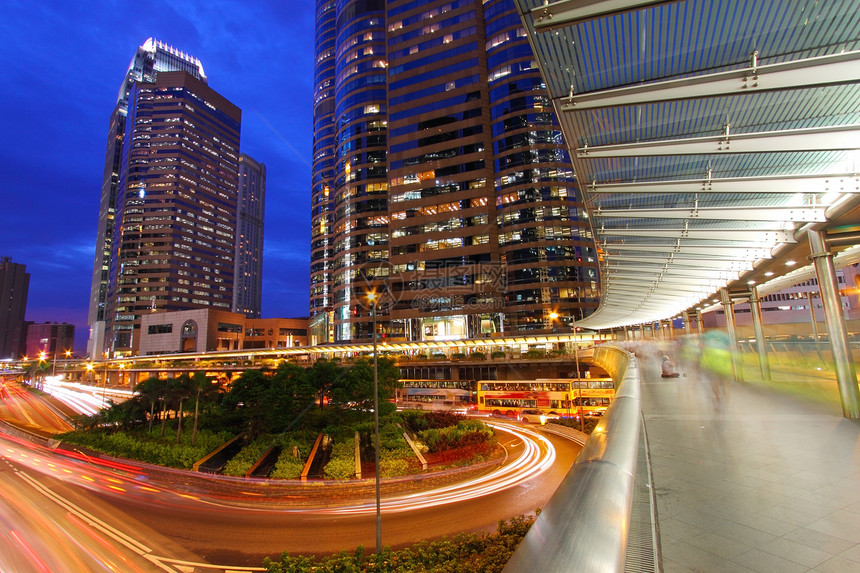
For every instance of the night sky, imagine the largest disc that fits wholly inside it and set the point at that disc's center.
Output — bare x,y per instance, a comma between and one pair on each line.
63,63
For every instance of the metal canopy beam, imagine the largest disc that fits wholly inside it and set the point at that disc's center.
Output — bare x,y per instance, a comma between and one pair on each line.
806,73
763,237
790,184
566,12
731,252
779,213
703,263
836,138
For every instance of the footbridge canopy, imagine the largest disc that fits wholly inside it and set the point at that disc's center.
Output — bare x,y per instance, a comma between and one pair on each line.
708,138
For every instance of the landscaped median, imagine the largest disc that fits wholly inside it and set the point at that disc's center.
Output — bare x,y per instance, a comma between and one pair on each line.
454,447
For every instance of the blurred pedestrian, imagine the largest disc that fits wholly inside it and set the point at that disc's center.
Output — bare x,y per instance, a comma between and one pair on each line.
668,368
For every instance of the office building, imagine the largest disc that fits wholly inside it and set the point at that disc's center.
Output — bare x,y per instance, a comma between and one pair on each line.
150,58
50,340
209,329
441,181
175,229
249,237
14,287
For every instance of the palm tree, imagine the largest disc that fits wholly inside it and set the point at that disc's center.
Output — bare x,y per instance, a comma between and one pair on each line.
150,391
181,389
200,385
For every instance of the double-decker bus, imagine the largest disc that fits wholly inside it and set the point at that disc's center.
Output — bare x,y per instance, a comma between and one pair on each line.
450,395
563,397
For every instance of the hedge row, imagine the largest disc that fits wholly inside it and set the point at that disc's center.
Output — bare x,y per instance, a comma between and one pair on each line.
466,553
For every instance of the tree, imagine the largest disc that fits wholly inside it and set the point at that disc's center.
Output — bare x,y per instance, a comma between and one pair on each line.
248,396
180,388
150,392
323,376
355,388
201,386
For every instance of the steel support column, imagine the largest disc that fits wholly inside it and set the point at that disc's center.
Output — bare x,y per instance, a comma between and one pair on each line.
761,346
828,288
812,316
729,309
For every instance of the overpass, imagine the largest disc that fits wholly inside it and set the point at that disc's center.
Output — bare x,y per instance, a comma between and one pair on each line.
717,144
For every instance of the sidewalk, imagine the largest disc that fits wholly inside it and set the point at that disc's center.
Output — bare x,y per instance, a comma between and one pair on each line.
766,482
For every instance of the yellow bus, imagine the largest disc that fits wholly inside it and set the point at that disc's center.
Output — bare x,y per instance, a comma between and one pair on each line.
447,395
562,397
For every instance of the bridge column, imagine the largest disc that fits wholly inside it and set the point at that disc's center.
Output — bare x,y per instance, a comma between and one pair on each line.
729,309
834,319
755,309
812,316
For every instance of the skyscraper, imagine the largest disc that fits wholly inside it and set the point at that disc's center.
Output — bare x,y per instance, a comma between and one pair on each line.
14,287
174,235
150,58
247,292
440,179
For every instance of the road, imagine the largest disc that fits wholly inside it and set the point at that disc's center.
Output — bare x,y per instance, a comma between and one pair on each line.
158,526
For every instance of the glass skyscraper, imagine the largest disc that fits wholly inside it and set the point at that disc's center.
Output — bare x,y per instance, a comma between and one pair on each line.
247,295
441,181
150,58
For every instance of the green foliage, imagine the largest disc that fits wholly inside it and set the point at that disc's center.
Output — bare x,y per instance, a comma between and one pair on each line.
478,356
288,466
534,353
497,354
341,465
243,461
464,553
145,447
466,433
458,355
589,423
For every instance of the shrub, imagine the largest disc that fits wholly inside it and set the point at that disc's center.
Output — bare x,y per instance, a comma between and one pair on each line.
478,356
497,354
341,465
485,552
465,433
243,461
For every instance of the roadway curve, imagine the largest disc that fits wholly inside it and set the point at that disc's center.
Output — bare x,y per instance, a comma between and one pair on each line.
177,525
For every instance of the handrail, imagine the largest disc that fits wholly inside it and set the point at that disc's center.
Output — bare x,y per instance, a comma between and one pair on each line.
584,525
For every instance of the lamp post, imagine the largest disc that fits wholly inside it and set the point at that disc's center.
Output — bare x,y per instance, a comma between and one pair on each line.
372,298
554,315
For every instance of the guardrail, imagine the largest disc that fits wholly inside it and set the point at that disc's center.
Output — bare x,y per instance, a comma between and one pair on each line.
584,525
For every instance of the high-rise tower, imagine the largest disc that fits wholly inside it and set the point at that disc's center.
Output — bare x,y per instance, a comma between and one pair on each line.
441,180
247,288
14,287
174,238
150,58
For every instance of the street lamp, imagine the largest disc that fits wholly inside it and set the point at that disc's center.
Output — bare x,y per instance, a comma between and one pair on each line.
371,296
554,315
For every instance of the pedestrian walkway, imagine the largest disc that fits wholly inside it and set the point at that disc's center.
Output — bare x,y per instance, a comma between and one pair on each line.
760,482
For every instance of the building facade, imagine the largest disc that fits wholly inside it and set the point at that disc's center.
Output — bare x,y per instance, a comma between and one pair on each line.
150,58
209,329
441,181
247,294
14,288
50,339
174,236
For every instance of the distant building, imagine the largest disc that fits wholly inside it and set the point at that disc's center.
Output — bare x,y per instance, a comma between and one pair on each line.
14,287
247,293
790,311
172,242
51,338
150,58
208,329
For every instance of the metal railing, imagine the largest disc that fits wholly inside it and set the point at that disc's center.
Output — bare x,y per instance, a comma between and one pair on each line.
585,525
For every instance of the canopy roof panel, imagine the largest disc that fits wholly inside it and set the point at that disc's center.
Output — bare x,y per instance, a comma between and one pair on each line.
707,137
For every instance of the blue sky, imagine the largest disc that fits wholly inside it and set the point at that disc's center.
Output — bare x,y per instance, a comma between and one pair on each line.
63,62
